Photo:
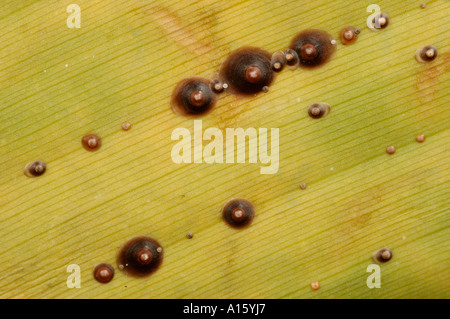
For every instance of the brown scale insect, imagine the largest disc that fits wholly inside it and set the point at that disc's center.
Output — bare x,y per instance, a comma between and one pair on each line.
315,285
193,97
247,70
35,169
318,110
390,149
292,59
103,273
216,84
426,54
420,138
383,255
238,213
349,35
278,61
380,21
126,126
91,142
313,47
140,256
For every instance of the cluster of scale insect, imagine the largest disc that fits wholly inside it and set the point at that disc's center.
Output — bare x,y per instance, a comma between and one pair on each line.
246,72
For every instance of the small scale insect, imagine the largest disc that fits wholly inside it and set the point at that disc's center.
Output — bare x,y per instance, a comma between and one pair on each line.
140,256
303,185
422,6
91,142
390,149
318,110
420,138
126,126
247,70
216,84
103,273
278,61
35,169
426,54
292,60
349,35
315,285
238,212
193,97
314,47
189,235
383,255
380,21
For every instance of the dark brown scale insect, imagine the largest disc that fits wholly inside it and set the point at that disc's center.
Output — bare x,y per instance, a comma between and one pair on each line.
103,273
193,97
349,35
278,61
91,142
426,54
292,59
380,21
318,110
247,71
383,255
238,213
35,169
140,256
313,47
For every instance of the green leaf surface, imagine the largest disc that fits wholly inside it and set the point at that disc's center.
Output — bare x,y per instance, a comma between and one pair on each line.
58,84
